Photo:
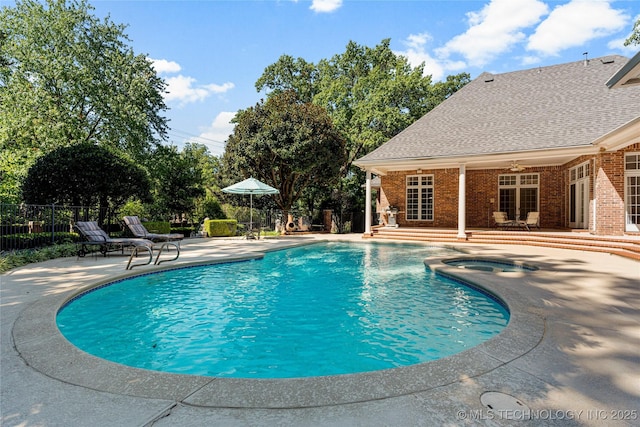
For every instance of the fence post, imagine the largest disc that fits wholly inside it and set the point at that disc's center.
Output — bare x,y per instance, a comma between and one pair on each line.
53,223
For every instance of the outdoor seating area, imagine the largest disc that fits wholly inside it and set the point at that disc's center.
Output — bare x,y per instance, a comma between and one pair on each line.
136,228
93,235
502,221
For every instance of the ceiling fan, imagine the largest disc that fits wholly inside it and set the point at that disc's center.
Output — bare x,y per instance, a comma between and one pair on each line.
516,167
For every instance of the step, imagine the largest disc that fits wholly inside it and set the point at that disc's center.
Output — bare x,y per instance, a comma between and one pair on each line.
625,247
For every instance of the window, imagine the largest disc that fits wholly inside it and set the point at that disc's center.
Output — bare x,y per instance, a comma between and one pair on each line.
420,198
518,194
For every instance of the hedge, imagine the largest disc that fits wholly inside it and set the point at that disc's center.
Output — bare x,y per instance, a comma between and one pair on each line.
220,227
158,227
34,240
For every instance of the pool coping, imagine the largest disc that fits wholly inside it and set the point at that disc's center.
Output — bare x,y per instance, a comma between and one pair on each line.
41,345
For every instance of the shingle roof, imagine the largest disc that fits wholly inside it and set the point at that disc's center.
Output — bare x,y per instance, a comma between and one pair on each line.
565,105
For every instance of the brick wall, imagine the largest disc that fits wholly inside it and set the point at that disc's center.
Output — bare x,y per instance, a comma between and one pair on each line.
606,186
609,191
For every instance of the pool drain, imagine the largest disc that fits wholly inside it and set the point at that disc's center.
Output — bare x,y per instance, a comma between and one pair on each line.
505,406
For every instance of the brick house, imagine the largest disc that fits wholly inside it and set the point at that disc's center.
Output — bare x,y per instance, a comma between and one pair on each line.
562,140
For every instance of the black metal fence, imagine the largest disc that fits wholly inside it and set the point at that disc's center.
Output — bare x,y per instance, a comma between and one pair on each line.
32,226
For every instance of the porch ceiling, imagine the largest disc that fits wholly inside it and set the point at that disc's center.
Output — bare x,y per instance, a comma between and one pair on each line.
526,159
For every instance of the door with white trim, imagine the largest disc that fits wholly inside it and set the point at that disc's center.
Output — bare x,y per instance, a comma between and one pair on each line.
632,191
518,194
579,196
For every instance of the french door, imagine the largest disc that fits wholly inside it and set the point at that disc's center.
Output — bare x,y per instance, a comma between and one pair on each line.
579,196
518,194
632,191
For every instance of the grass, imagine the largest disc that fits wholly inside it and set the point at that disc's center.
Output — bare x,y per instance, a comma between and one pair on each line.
18,258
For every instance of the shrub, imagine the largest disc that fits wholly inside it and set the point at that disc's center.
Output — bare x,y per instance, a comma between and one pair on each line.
34,240
220,227
161,227
14,259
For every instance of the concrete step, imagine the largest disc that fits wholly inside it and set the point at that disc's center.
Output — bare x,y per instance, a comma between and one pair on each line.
622,246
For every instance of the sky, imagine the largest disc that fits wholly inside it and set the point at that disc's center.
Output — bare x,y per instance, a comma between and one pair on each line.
211,52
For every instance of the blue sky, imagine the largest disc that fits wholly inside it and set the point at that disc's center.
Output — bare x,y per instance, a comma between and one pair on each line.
211,52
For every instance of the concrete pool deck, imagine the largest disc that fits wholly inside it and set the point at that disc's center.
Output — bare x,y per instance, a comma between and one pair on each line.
571,355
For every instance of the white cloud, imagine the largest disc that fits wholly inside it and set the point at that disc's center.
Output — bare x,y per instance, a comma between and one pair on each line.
574,24
185,90
215,136
618,44
494,30
325,6
163,66
417,54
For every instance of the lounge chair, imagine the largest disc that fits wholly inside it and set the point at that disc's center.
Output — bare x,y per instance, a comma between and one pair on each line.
94,235
140,231
502,221
533,220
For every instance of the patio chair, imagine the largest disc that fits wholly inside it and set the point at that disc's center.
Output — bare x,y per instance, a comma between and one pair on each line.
92,234
533,220
140,231
501,220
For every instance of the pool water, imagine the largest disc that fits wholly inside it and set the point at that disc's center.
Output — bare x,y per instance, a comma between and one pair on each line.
489,265
322,309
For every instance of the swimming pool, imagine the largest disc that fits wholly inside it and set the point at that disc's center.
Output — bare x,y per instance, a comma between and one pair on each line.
269,318
492,265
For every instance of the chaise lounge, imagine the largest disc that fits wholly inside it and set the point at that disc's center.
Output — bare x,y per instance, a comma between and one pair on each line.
92,234
136,227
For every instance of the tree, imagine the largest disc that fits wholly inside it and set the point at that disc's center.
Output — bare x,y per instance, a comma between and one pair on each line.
634,38
371,94
177,181
85,175
289,73
67,78
288,144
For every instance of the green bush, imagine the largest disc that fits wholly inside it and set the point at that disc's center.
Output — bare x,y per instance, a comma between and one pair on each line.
220,227
14,259
161,227
34,240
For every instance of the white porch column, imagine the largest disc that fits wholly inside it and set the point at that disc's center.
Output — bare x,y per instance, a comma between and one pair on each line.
462,207
367,204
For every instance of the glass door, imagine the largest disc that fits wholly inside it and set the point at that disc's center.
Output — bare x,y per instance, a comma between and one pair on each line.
579,196
632,192
518,195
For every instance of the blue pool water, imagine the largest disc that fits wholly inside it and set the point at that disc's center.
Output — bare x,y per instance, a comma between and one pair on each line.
490,265
323,309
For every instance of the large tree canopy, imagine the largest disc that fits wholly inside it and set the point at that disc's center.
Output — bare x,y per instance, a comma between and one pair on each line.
67,78
371,94
85,175
288,144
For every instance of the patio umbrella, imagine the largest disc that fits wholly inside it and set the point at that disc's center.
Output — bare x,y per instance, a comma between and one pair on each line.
250,186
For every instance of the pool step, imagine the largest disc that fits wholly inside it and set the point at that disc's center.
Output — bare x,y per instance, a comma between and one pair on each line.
628,247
